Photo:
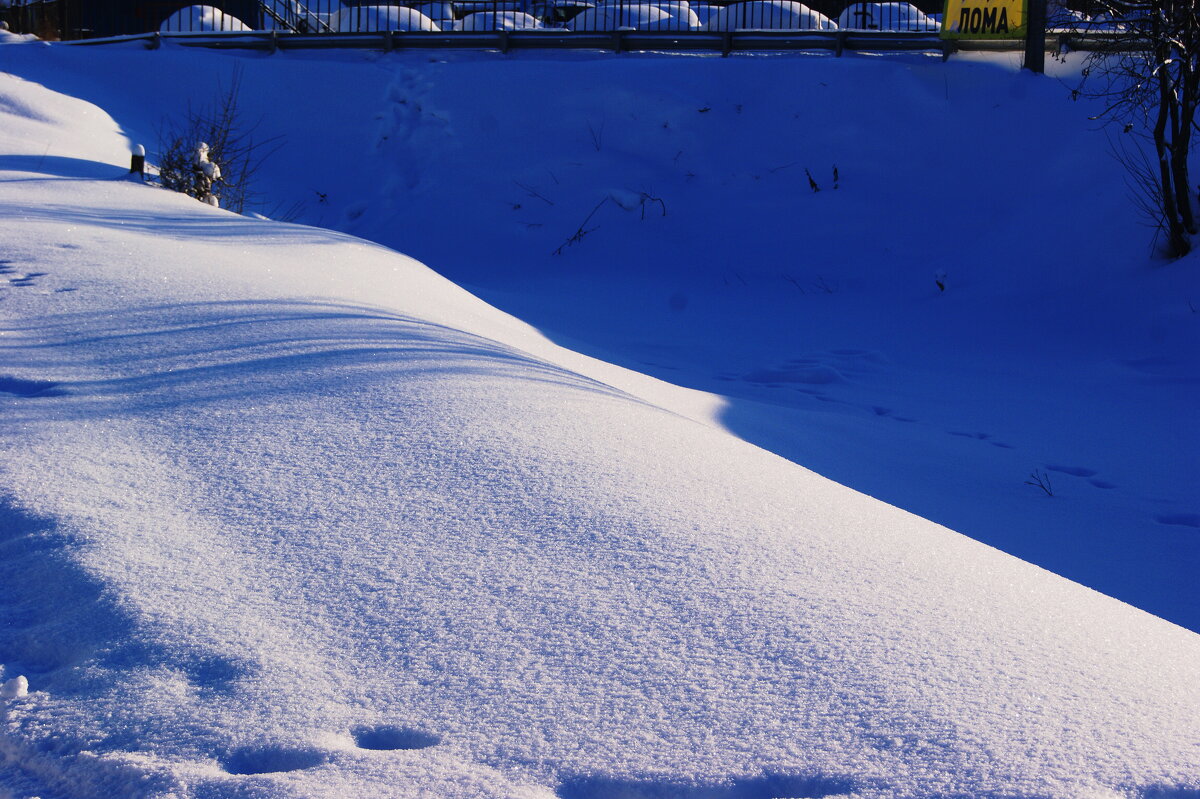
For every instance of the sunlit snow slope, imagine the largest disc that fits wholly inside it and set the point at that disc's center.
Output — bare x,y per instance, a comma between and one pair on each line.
656,212
286,514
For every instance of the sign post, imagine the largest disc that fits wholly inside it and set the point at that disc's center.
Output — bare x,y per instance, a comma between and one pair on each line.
1035,37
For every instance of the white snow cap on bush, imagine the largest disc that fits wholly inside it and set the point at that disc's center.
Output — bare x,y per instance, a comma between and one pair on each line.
361,19
498,21
886,17
769,15
640,16
201,19
211,170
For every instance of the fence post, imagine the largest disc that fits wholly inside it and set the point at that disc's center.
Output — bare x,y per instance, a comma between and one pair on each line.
137,162
1035,36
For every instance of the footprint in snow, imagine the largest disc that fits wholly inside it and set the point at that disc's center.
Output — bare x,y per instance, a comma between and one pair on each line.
390,737
1169,792
27,388
272,759
770,785
214,673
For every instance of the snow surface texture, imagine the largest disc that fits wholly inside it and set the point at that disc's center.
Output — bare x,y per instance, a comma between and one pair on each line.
286,514
817,316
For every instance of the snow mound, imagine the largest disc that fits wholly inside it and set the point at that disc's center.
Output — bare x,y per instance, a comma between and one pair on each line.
303,518
197,19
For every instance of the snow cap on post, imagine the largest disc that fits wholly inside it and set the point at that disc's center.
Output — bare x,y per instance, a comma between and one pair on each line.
15,688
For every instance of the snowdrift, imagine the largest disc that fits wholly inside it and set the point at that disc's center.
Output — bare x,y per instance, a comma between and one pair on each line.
969,298
286,514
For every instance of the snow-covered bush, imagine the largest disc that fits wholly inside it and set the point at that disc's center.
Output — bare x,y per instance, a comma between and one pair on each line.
289,15
704,12
885,17
497,21
201,19
359,19
639,16
769,15
441,12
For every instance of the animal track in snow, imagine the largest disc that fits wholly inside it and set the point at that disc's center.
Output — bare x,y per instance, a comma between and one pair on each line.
26,279
888,413
387,738
815,374
18,280
1179,519
1074,471
981,437
821,368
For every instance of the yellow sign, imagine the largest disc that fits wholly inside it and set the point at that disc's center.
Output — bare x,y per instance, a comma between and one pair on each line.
984,19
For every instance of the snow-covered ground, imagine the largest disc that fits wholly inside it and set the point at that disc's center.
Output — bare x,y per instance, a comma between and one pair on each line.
284,513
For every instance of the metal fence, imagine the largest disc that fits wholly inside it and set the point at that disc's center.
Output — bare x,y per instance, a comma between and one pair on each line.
724,26
85,19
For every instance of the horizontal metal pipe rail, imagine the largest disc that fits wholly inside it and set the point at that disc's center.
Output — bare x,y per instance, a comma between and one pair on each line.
835,42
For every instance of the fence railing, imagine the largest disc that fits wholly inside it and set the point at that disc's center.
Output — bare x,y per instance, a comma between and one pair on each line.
83,19
503,24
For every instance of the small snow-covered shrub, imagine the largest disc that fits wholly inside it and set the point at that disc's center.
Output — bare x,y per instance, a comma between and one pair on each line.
201,19
211,154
